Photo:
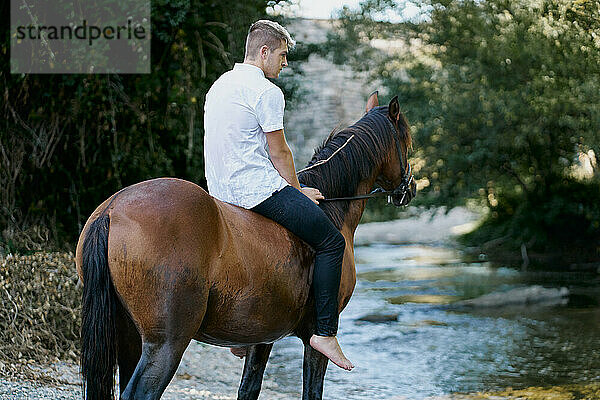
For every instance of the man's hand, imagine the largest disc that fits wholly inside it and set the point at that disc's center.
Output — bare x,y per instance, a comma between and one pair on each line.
312,194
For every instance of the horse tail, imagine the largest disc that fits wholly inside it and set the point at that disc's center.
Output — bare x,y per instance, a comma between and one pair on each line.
98,327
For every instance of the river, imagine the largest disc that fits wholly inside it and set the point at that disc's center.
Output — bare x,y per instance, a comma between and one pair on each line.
433,349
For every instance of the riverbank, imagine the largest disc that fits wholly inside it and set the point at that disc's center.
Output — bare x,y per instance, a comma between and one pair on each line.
431,227
205,372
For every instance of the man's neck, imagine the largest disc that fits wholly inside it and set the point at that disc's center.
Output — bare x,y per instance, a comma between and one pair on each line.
256,63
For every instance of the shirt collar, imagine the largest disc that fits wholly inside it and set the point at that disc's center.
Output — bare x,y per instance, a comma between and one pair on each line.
250,68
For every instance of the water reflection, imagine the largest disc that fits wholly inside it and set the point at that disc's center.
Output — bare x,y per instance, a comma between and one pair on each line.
422,298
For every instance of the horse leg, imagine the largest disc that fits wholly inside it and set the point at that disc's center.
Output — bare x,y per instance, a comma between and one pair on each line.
313,374
155,369
254,368
129,346
166,330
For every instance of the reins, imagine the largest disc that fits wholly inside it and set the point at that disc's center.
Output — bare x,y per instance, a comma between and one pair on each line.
321,162
401,189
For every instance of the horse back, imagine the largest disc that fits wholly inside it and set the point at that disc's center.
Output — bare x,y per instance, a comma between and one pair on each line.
248,275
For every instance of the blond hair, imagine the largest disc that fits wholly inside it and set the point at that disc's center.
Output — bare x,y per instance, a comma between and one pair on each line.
264,32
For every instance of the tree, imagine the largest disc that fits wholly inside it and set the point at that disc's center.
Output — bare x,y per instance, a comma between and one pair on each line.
69,141
504,98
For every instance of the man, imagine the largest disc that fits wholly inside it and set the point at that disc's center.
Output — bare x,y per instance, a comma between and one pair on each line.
249,164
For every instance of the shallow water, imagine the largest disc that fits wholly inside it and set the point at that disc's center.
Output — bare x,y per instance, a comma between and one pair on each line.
434,349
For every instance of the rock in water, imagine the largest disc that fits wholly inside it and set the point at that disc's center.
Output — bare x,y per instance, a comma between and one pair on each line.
531,295
378,318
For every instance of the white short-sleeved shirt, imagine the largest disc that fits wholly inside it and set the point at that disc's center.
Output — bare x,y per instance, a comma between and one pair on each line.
240,107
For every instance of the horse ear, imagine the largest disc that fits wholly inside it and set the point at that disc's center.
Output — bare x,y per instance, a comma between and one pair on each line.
394,109
373,101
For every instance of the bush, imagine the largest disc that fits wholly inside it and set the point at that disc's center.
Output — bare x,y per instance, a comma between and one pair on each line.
40,311
562,225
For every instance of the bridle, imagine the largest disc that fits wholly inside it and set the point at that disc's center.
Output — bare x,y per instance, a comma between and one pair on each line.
401,190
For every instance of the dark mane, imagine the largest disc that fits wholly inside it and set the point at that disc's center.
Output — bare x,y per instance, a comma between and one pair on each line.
341,175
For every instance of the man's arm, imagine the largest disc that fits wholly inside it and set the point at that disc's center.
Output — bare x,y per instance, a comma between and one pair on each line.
281,157
283,161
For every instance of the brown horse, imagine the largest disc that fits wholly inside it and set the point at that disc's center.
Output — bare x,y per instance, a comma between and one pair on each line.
163,262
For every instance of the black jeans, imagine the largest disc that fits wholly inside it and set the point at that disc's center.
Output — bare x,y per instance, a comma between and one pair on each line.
296,212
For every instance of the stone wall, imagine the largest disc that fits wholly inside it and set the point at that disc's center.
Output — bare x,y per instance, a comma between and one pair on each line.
335,95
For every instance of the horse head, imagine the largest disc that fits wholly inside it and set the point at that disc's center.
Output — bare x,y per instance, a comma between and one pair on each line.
396,172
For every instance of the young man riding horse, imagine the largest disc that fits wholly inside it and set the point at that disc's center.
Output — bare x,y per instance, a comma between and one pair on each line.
249,164
163,263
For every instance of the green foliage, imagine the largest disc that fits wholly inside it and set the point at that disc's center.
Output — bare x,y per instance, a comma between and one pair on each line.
562,227
69,141
504,98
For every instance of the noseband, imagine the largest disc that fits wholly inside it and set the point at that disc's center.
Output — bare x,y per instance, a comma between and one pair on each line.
404,186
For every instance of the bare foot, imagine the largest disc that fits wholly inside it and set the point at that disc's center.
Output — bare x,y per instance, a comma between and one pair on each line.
329,346
239,352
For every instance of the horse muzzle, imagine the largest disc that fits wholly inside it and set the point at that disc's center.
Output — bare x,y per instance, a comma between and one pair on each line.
404,193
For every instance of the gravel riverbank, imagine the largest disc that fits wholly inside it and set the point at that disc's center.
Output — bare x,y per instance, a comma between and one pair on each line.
425,227
206,372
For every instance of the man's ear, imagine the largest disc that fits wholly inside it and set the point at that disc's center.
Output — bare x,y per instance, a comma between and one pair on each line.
373,101
394,109
264,51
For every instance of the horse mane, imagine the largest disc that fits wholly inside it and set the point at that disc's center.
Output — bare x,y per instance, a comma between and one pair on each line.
341,175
